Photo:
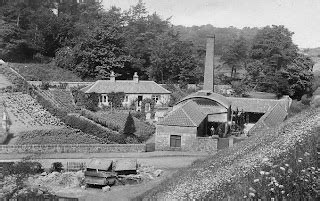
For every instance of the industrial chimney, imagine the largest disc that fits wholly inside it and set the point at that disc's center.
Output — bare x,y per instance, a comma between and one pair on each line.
209,65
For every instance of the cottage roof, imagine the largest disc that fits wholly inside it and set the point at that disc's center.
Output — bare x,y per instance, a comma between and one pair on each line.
252,104
188,115
222,100
126,86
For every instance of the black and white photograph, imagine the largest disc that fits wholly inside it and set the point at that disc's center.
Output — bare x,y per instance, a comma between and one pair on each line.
129,100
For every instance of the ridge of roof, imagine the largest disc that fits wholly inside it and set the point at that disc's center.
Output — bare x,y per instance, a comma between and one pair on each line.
126,86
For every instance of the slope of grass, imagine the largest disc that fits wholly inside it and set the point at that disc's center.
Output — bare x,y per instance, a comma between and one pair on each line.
56,136
285,152
116,121
44,72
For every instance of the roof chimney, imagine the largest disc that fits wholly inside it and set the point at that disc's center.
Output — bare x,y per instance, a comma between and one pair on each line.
112,77
135,77
209,65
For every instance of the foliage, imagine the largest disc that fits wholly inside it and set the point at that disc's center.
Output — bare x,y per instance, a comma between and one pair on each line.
239,88
296,108
116,98
106,135
44,72
44,85
284,70
56,167
113,125
91,101
129,127
235,55
56,136
87,101
116,121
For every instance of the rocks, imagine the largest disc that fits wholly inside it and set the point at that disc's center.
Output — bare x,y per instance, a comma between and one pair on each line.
157,173
106,188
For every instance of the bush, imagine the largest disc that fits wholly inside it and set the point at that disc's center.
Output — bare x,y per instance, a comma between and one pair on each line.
56,167
129,127
296,107
113,125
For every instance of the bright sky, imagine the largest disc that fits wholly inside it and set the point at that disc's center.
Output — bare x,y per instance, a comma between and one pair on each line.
300,16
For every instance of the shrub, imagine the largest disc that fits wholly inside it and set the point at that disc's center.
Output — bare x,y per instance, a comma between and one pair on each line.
116,98
106,135
56,167
44,85
129,127
113,125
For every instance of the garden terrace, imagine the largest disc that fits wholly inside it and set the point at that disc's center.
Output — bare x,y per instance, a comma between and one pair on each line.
116,121
60,98
28,111
232,173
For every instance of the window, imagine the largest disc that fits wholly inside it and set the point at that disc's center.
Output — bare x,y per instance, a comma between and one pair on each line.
175,141
156,98
126,99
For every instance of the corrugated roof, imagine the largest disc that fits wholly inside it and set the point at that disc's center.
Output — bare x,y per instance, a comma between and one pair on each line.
126,86
222,100
188,115
252,104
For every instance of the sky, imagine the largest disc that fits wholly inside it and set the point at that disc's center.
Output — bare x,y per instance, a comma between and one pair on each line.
300,16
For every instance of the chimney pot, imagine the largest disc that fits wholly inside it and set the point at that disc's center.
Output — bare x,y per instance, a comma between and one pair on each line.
135,77
112,77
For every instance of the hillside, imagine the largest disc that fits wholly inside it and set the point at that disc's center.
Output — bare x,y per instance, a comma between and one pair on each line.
314,53
26,114
44,72
232,173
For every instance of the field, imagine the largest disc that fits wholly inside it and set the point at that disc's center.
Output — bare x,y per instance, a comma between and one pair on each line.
44,72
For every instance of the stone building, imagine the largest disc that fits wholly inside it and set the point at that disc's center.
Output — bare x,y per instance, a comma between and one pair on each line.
135,91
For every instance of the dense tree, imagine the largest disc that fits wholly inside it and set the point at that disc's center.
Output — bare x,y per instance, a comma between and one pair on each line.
235,55
284,70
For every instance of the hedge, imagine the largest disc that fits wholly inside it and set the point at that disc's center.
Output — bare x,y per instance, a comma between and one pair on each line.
106,135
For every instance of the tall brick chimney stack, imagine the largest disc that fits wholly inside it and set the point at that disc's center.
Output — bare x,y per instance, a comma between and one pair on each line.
209,65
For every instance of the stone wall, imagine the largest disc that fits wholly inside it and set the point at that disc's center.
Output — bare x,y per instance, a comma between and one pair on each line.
163,133
189,139
72,148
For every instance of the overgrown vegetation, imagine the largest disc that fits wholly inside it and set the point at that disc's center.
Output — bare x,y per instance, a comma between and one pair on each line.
269,162
56,136
106,135
116,121
44,72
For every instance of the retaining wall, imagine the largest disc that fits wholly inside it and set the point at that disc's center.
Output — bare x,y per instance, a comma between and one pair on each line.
72,148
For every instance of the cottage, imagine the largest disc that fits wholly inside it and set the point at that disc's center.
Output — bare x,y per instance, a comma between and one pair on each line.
135,91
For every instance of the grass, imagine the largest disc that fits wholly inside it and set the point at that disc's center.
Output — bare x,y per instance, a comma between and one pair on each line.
118,120
56,136
44,72
231,173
